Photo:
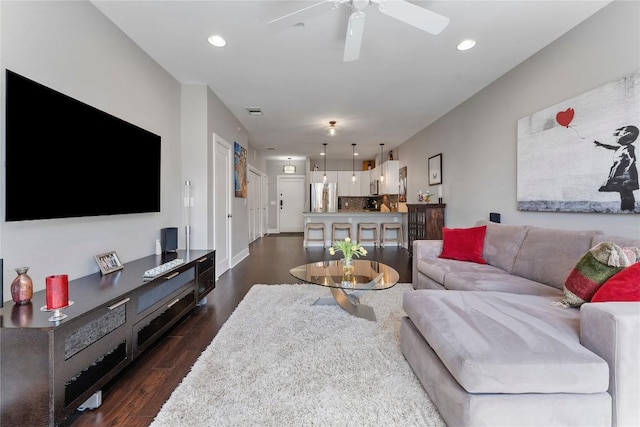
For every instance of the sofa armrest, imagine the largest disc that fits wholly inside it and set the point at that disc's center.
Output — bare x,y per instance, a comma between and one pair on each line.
427,249
423,249
612,331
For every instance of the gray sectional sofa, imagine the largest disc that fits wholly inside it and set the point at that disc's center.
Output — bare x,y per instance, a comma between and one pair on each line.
492,345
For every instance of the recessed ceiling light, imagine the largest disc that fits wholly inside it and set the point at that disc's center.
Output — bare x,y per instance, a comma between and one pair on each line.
217,41
466,44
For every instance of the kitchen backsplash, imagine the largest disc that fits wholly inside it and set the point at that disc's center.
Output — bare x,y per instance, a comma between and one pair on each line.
388,203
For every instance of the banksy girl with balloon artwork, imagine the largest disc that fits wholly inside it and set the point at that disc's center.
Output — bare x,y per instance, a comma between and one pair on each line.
580,155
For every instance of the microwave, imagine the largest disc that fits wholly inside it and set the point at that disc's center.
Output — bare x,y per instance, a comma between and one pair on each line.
374,188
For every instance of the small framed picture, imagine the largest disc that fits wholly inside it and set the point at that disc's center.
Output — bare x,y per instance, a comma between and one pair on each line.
435,169
108,262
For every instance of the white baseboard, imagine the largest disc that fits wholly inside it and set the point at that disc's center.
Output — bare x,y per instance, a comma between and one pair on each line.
238,258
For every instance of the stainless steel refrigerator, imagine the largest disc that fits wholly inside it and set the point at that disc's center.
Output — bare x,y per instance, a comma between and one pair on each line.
324,198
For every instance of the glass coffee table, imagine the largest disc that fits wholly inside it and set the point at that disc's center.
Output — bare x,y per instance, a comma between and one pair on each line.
367,276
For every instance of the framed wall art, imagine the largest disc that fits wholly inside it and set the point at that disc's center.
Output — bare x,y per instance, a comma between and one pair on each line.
240,170
580,155
108,262
435,169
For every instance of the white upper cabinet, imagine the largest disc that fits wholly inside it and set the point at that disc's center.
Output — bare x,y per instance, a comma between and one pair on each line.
316,177
365,183
391,171
344,183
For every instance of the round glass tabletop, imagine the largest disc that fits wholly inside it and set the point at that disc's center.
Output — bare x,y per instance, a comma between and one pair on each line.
367,275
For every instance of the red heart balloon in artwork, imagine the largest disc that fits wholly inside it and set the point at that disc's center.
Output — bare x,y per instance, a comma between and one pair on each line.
565,117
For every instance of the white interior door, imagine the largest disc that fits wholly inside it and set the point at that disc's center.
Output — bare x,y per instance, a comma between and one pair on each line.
222,200
291,203
253,202
264,217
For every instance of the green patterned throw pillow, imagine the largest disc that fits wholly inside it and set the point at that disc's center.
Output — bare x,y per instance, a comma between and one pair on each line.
594,268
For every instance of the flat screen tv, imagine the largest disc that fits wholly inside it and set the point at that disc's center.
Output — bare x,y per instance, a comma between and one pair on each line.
66,159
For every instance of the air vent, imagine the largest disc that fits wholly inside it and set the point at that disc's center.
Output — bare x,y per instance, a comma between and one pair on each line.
254,111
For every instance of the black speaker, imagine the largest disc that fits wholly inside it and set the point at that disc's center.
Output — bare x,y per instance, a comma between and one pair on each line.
494,217
169,239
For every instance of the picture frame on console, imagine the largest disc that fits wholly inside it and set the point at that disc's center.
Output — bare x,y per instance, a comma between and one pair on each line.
108,262
435,169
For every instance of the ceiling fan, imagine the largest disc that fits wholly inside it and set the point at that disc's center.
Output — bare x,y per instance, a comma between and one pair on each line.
401,10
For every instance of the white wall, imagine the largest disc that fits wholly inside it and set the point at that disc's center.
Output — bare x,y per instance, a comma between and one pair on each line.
478,138
73,48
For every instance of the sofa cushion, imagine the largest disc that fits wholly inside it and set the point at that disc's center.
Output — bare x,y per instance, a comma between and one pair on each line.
502,243
623,286
463,244
618,240
594,268
438,268
548,255
494,342
500,282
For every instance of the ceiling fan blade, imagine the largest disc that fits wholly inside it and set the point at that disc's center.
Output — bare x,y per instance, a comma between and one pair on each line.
355,29
417,16
303,14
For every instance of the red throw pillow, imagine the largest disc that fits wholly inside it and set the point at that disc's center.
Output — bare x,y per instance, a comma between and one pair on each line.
463,244
623,286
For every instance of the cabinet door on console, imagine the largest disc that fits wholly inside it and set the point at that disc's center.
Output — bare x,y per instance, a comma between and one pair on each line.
425,222
205,275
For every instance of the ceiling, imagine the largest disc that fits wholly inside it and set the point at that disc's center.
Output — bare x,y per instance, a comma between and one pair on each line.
404,79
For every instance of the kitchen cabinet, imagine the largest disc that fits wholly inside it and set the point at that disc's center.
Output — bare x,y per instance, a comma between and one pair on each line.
347,187
344,183
391,172
365,183
316,177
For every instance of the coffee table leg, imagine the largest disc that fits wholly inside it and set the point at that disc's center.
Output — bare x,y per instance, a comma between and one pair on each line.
349,303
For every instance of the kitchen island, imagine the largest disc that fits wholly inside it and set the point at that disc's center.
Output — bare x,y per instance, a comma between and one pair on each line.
353,217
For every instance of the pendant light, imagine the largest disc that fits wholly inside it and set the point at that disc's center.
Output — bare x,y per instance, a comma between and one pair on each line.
289,168
324,177
331,130
381,174
353,162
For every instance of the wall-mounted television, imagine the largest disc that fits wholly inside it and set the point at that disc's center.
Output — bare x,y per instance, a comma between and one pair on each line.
66,159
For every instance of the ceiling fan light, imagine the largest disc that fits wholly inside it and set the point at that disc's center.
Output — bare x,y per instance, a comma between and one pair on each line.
466,44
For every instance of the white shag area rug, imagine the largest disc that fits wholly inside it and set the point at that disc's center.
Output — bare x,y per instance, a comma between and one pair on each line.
281,361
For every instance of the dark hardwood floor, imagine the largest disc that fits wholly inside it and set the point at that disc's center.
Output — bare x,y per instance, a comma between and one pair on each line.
135,396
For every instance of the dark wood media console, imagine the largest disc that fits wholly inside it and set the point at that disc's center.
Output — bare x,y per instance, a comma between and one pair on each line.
50,368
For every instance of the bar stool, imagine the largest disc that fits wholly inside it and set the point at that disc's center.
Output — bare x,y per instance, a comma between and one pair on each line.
340,226
316,226
372,226
390,226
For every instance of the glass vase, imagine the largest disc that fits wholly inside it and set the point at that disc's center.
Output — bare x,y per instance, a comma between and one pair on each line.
22,287
348,279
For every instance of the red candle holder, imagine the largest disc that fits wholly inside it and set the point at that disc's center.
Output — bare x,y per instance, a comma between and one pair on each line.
57,296
57,292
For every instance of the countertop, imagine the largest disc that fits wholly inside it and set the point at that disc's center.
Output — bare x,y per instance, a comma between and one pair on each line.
356,213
